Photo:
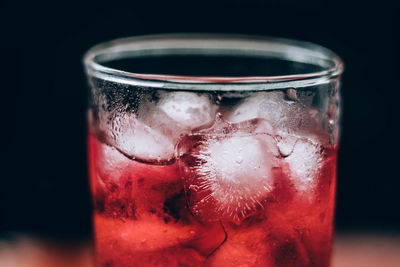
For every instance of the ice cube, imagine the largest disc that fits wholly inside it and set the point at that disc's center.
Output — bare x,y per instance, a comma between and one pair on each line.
139,141
124,182
247,109
267,105
191,110
285,111
108,163
227,170
304,162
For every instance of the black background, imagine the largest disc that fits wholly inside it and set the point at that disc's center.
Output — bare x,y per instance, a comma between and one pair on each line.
44,188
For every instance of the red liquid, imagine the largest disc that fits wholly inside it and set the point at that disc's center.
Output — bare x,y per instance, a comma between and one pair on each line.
146,215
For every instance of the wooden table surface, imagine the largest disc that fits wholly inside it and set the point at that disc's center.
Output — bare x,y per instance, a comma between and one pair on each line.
350,250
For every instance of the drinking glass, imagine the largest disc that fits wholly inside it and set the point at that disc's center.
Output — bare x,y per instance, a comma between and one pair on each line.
212,150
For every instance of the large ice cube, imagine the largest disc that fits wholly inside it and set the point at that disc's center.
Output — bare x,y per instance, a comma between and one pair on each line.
228,170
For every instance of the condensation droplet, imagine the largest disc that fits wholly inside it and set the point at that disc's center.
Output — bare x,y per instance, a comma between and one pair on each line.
291,94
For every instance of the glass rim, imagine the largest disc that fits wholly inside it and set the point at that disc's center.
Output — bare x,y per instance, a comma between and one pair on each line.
213,44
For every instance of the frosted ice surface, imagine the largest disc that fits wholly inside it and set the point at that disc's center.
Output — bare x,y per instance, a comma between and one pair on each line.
236,160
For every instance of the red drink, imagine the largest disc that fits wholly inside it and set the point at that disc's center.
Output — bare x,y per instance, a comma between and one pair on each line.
189,212
213,151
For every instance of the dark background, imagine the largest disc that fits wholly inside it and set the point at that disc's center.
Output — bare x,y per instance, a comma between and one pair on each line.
44,188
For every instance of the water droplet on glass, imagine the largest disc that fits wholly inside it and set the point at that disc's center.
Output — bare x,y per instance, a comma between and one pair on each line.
291,94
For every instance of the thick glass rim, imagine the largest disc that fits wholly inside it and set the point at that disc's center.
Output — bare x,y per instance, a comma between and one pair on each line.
213,44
